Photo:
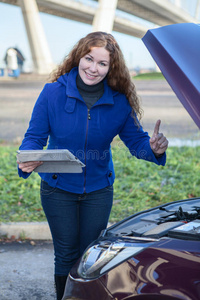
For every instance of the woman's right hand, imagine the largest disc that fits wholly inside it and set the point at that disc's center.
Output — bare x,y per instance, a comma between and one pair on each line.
29,166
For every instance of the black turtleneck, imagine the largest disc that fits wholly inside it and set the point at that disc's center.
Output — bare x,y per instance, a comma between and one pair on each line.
90,93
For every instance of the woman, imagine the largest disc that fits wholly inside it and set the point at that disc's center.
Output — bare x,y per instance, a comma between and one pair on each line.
89,101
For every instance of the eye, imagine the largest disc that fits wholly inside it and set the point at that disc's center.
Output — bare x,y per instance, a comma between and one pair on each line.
88,58
102,64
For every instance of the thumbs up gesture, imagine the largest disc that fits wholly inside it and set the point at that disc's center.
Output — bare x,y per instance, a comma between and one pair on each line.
158,141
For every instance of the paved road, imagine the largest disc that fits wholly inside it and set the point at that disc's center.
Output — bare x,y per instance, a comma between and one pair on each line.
26,271
17,98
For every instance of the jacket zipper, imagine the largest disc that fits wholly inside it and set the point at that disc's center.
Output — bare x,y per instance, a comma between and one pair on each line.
88,118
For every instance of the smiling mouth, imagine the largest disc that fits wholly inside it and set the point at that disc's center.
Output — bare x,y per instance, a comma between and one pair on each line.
90,76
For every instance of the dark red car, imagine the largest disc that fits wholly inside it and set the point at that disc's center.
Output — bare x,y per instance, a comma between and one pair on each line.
154,254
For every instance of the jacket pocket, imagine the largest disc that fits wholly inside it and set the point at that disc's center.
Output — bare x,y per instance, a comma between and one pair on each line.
110,177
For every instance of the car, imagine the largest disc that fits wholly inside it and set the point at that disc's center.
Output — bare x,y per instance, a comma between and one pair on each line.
153,254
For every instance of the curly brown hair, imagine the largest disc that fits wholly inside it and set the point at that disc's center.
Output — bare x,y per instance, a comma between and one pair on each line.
118,76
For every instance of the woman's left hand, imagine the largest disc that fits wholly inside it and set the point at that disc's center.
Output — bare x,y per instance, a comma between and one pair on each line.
158,141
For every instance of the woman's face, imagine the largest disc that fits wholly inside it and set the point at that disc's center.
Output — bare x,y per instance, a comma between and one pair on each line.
94,66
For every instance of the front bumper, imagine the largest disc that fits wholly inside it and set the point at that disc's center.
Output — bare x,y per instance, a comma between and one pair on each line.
79,289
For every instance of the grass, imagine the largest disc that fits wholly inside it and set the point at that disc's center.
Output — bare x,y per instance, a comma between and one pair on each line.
139,184
19,198
149,76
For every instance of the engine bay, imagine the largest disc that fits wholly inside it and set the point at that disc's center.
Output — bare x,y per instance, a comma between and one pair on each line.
180,219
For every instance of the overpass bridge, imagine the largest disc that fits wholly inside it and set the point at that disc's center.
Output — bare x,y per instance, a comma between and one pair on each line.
103,15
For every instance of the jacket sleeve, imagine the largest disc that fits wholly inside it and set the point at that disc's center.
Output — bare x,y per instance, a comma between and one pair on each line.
138,143
38,131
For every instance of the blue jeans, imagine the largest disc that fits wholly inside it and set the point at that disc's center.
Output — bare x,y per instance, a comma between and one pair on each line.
75,220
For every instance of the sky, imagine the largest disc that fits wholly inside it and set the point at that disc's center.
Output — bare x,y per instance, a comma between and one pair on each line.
61,36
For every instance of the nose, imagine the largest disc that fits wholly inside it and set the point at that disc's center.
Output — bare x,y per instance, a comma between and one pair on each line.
93,67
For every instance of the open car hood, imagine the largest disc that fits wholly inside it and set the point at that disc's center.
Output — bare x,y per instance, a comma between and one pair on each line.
178,219
176,50
173,226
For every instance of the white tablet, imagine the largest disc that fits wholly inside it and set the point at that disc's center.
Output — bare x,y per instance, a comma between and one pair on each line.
54,161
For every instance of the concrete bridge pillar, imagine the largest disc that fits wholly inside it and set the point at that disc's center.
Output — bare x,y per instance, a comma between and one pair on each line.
41,55
104,16
197,10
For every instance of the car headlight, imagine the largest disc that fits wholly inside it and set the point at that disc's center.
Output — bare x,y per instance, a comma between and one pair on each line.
106,254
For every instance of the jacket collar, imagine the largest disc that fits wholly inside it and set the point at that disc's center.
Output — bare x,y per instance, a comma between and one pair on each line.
72,91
